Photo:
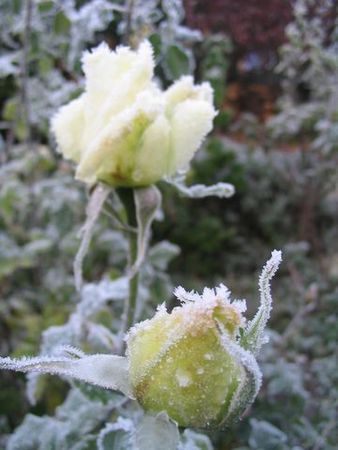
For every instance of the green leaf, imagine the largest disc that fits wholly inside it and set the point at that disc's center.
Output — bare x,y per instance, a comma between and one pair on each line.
10,109
45,6
61,23
156,43
97,394
177,62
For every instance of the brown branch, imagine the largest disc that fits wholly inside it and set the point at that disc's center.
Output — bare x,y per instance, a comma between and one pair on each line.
128,20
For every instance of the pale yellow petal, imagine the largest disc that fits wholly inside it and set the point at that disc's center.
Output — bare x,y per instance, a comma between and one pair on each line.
103,67
184,89
153,158
178,92
112,155
191,122
68,125
119,91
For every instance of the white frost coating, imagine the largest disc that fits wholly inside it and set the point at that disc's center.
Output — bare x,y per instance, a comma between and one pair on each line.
221,190
32,387
108,371
94,207
33,378
68,351
253,337
122,424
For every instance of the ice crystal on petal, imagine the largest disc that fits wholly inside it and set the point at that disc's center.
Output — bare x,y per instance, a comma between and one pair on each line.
185,296
210,299
240,305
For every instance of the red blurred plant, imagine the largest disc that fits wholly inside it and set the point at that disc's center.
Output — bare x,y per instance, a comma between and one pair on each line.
253,25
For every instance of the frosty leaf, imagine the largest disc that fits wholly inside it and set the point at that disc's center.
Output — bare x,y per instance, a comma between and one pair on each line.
108,371
94,207
101,337
116,436
191,440
156,433
26,436
9,64
147,202
250,382
221,190
65,430
265,435
161,254
253,336
95,295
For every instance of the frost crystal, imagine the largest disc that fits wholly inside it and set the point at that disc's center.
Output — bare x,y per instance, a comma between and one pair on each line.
209,300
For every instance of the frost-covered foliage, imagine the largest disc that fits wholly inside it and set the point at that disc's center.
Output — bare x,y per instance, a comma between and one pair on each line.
280,197
310,69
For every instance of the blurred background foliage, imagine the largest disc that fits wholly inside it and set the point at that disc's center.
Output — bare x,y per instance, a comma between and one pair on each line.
274,69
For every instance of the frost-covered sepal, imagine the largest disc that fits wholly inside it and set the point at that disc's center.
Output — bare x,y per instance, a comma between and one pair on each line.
251,379
253,336
221,190
107,371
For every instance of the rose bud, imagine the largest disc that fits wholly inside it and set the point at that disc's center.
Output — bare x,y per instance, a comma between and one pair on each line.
198,363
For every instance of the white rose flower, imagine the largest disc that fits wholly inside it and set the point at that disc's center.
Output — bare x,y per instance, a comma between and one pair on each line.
124,130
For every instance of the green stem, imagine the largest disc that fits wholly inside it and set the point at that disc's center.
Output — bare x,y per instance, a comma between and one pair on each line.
127,198
133,283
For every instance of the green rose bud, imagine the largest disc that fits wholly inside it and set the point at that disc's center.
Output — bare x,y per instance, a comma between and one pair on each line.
197,363
124,130
178,362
